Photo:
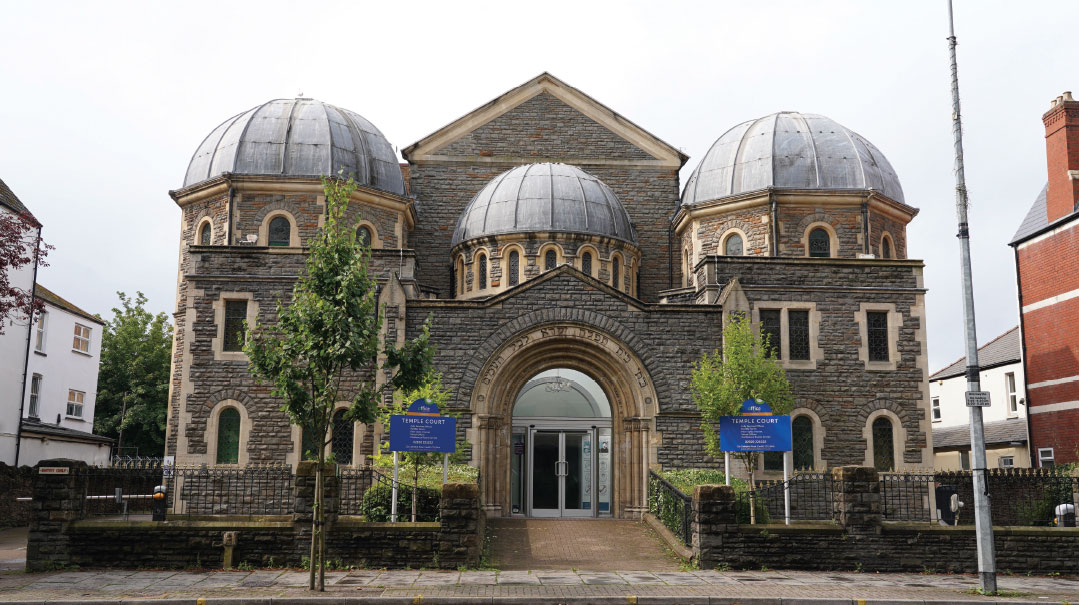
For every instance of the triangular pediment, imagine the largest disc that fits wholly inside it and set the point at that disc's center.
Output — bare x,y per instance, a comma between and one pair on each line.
580,130
564,273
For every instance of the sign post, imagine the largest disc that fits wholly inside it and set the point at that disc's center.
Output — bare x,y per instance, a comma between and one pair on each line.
757,430
422,429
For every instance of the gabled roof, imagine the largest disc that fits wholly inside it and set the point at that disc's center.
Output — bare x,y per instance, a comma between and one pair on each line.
9,200
1037,219
545,82
1001,431
564,269
55,300
1002,350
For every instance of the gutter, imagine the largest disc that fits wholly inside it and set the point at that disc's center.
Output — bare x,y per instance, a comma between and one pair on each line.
1023,348
26,359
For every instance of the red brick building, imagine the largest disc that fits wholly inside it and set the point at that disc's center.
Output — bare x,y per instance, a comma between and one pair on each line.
1047,268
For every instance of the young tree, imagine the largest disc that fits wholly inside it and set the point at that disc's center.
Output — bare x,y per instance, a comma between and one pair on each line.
746,369
325,343
133,382
20,246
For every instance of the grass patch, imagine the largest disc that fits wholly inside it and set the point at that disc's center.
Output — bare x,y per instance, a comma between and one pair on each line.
977,590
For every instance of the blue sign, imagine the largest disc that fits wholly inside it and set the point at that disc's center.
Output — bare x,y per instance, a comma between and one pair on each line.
422,407
755,407
755,433
412,433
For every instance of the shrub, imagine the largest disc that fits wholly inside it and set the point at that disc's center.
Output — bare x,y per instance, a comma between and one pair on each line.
376,503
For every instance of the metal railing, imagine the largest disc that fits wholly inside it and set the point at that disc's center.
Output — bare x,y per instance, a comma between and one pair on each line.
352,483
668,504
810,497
247,491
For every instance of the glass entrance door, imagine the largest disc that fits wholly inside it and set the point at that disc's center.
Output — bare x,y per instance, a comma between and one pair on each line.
561,473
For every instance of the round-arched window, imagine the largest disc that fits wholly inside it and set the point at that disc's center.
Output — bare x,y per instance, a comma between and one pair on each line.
228,436
562,393
280,232
616,272
820,243
886,248
802,442
515,268
363,235
460,276
883,440
482,271
733,245
586,263
341,445
204,234
550,259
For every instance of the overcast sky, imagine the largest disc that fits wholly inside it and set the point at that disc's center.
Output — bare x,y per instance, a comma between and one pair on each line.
104,102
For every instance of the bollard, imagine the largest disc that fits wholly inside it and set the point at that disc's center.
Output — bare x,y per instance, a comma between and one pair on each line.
160,504
228,540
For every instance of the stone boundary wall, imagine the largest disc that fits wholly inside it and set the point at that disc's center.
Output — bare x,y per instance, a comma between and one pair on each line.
15,482
61,535
862,541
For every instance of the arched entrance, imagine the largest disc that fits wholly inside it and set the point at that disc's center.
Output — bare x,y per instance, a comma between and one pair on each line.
619,376
561,447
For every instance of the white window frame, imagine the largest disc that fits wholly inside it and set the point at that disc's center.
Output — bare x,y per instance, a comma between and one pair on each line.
935,406
1010,463
75,402
35,396
1046,454
80,341
41,332
1013,396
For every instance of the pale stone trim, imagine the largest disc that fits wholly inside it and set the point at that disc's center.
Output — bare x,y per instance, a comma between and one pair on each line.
816,353
833,238
1054,407
1052,300
891,245
899,438
729,232
922,362
376,240
617,260
1053,382
264,228
460,278
895,321
217,343
560,257
476,289
504,265
1048,234
205,220
596,260
210,436
819,463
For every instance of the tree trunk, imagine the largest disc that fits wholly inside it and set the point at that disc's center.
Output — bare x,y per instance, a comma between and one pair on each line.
321,520
314,534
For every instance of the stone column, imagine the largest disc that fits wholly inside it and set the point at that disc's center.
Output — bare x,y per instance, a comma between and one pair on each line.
492,460
463,523
59,499
856,499
714,519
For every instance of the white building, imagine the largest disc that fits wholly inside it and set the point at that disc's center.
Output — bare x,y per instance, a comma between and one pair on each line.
58,416
1005,420
13,345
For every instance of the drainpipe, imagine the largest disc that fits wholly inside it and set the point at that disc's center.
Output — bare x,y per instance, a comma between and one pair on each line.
775,228
865,224
228,226
670,257
26,359
1023,347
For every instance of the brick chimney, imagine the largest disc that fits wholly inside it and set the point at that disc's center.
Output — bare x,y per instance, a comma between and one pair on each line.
1062,155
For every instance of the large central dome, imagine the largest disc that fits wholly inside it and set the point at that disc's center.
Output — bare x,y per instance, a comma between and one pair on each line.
545,198
794,151
298,137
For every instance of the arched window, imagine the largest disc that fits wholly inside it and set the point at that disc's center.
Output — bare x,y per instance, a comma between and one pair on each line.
550,259
342,438
204,234
886,247
685,268
586,263
616,272
802,442
280,232
820,243
515,268
363,235
481,269
228,436
460,275
733,245
883,440
309,444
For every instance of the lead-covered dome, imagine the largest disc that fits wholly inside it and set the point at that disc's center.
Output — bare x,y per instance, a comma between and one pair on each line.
545,198
790,150
298,137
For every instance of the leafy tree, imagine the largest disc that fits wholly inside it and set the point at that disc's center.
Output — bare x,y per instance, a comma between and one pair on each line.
324,346
433,391
746,369
133,382
20,246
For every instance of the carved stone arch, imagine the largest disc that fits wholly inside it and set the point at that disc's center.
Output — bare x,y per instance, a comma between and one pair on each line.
235,394
815,217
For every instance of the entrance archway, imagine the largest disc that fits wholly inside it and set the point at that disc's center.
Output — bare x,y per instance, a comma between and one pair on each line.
618,372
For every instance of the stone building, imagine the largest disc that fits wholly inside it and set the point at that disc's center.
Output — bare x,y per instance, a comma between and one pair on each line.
573,284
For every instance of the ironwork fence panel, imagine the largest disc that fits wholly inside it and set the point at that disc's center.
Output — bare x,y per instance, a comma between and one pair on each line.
352,483
668,504
122,490
251,490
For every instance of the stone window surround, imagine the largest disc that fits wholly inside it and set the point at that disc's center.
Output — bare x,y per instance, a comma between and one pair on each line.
895,320
219,321
891,244
818,446
618,259
210,437
722,250
198,230
376,240
899,437
264,228
596,260
295,456
833,238
687,278
559,256
461,282
482,252
504,264
815,352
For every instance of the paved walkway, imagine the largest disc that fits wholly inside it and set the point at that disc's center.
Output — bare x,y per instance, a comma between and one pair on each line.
522,544
13,548
540,587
